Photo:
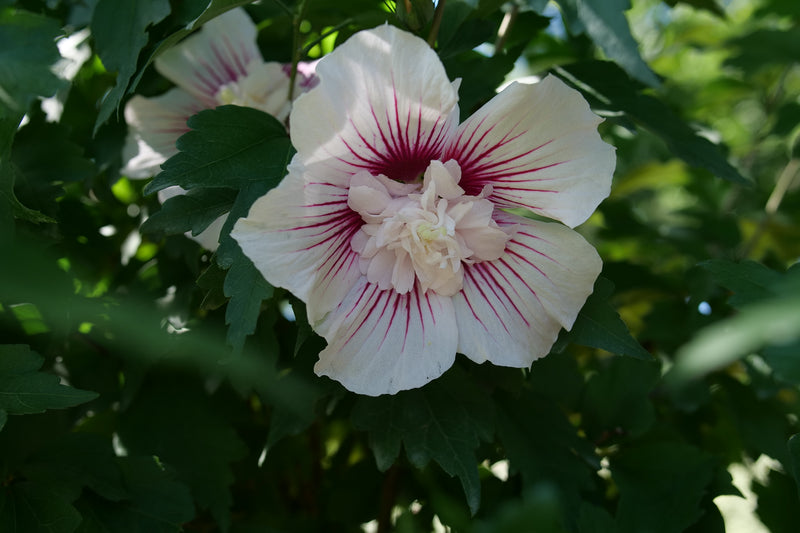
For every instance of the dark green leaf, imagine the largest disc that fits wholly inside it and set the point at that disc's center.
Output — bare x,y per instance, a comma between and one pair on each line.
190,212
119,28
30,508
229,146
187,432
749,281
778,508
784,361
3,418
604,21
27,53
65,160
538,510
617,399
661,486
593,519
191,15
540,442
246,288
765,47
598,325
23,390
75,461
480,77
157,503
444,421
616,92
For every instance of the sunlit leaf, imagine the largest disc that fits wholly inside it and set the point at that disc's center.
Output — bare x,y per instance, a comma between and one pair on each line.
604,21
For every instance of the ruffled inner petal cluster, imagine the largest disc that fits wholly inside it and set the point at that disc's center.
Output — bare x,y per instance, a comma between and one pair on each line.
422,237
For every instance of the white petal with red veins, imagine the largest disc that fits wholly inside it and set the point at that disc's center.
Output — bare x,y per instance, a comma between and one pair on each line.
537,146
215,56
511,310
298,236
382,342
154,125
384,104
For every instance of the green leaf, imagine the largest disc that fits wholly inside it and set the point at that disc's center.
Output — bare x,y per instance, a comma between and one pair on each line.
599,326
604,21
593,519
76,460
773,322
30,508
617,399
229,146
195,14
543,445
3,418
27,52
189,433
444,421
538,510
661,486
193,211
23,390
765,47
119,28
156,504
777,503
246,288
794,457
613,90
749,281
480,77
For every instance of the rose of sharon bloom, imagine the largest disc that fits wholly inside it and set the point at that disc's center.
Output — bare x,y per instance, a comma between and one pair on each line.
392,225
218,65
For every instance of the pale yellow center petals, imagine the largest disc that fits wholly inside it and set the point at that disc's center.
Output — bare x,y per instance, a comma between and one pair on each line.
265,87
424,232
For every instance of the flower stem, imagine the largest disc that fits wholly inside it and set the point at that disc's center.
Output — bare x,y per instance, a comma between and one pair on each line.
785,180
437,21
298,19
505,28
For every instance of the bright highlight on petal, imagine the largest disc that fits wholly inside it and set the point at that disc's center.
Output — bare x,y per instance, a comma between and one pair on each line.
390,223
218,65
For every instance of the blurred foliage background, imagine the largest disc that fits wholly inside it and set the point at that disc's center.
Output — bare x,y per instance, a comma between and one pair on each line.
145,385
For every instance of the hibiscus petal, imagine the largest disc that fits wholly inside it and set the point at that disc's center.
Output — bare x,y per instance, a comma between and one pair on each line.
511,310
538,147
383,104
298,236
154,124
218,54
382,342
